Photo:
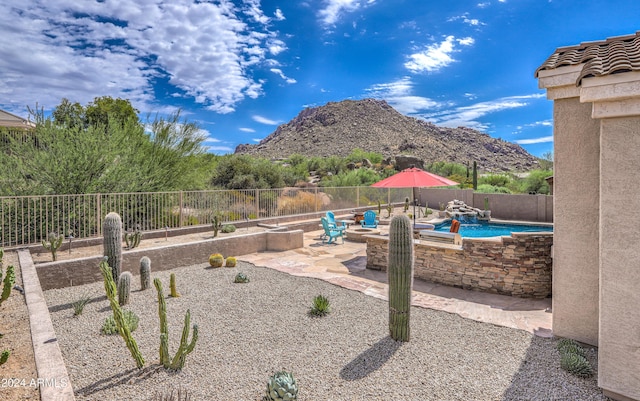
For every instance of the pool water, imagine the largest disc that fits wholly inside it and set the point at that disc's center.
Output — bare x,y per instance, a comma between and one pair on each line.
484,229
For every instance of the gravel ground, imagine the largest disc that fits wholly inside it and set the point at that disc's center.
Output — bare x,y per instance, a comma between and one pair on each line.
248,331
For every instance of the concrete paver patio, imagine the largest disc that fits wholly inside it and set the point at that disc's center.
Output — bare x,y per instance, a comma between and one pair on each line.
345,265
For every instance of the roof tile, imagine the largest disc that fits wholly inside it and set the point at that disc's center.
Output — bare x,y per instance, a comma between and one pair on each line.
606,57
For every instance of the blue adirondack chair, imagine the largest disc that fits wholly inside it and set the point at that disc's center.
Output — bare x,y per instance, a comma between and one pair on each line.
331,219
370,220
329,232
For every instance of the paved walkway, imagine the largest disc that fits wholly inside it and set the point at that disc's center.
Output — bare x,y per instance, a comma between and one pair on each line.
345,265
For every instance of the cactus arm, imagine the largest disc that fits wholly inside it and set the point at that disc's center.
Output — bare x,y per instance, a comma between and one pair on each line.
110,289
172,285
164,330
9,280
181,356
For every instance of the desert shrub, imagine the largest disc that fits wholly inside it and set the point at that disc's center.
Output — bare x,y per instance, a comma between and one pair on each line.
301,202
496,180
491,189
228,228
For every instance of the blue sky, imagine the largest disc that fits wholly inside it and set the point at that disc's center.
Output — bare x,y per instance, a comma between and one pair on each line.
240,68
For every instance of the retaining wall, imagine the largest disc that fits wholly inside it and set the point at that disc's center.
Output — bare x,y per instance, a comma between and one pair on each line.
519,265
81,271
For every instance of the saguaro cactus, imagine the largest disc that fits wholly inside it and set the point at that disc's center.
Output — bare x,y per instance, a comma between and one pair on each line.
124,288
145,273
400,274
118,316
112,241
185,348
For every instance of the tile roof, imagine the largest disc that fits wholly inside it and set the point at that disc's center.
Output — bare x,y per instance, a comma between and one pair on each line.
606,57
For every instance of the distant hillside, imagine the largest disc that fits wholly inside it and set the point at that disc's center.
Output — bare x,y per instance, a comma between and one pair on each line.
372,125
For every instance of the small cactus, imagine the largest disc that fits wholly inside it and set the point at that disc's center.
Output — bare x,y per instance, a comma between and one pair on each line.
216,224
52,243
216,260
400,277
133,239
172,285
9,280
4,356
231,262
241,278
124,288
145,273
112,242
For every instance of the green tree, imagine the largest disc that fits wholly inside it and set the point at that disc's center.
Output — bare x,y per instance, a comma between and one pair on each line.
105,110
536,183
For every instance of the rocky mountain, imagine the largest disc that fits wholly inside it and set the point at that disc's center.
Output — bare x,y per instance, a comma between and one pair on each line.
372,125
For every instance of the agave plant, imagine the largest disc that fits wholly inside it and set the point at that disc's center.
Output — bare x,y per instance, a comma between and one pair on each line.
282,387
320,306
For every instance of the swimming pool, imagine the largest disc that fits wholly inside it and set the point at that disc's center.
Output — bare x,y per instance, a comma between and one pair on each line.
484,229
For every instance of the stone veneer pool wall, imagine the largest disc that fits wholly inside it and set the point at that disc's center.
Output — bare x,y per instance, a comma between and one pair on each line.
519,265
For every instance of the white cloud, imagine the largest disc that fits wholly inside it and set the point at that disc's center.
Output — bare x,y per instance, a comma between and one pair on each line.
483,5
469,116
544,139
278,15
281,74
210,139
243,129
465,18
264,120
399,95
202,49
334,9
436,56
256,139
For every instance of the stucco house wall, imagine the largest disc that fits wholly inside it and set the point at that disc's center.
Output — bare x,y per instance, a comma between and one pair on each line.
595,87
576,203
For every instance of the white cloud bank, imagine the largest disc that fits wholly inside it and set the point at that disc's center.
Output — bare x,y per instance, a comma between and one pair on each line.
437,55
83,49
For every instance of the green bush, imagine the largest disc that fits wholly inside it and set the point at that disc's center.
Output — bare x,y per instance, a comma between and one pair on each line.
491,189
228,228
496,180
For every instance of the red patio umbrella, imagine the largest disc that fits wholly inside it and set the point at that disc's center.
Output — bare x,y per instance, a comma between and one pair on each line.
414,177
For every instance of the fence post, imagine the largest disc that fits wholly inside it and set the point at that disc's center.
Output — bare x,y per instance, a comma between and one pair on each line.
99,214
388,196
357,196
180,222
257,203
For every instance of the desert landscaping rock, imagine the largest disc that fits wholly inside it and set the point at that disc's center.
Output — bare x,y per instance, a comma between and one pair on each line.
249,331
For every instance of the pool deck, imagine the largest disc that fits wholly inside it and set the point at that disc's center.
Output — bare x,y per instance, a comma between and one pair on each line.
345,265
